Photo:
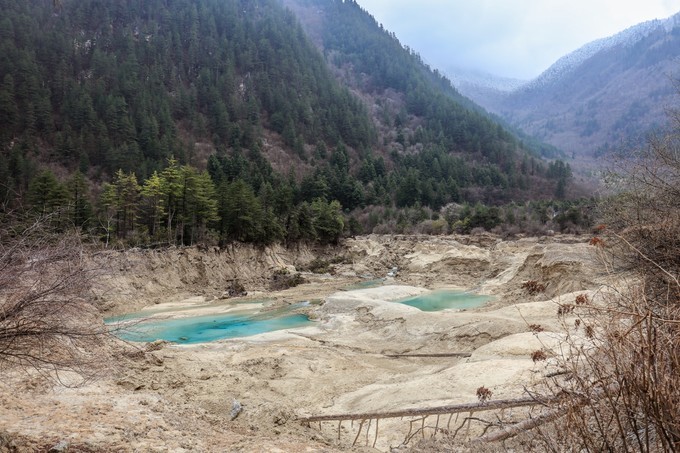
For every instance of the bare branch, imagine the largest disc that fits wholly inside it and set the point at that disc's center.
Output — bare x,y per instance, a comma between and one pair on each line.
47,319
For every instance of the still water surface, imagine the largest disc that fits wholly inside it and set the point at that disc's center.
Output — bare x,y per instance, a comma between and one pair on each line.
446,299
202,329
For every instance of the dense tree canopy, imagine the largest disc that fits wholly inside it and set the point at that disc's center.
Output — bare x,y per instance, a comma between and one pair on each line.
102,105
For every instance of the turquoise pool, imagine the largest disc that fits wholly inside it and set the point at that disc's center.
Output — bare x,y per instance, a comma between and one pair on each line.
446,299
202,329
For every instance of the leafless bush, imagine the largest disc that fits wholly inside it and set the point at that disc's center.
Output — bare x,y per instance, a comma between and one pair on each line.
644,220
484,394
538,356
565,309
283,279
46,319
624,376
582,299
533,287
622,384
597,242
536,328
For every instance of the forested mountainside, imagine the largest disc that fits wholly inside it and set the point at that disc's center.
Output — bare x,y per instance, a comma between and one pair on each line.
191,120
601,96
414,106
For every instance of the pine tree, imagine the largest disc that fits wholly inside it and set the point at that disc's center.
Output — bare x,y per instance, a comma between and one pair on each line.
79,201
121,198
46,195
154,197
171,186
9,114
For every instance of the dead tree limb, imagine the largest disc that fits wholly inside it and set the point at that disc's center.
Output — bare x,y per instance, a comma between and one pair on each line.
526,425
446,354
48,321
450,409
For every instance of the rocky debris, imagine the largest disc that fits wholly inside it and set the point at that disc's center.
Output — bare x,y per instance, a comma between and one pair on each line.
236,409
60,447
235,289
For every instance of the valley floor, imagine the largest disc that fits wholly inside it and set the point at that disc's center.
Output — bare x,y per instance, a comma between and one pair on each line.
164,397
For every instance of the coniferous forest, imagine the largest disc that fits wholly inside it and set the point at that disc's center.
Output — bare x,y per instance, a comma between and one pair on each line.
188,121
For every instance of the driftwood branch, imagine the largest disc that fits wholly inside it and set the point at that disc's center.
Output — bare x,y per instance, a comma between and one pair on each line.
438,410
447,354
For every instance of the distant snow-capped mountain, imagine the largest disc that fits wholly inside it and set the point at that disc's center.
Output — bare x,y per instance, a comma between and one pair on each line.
601,95
627,37
465,77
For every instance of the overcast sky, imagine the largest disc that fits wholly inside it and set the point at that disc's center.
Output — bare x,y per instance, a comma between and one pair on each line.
510,38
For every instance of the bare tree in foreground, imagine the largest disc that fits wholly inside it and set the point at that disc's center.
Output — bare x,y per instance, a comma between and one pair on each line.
47,322
619,383
623,377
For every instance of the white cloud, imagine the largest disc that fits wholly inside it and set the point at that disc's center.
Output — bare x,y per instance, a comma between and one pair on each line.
517,38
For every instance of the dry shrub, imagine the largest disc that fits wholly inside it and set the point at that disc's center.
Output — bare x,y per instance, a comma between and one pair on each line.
533,287
484,394
536,328
565,309
538,356
623,381
282,279
599,228
624,377
47,320
597,242
582,299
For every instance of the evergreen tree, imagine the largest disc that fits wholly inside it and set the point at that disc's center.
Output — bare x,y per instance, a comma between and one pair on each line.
46,195
153,193
327,220
9,114
79,200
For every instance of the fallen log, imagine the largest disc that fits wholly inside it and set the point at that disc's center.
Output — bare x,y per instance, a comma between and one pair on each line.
552,415
437,410
446,354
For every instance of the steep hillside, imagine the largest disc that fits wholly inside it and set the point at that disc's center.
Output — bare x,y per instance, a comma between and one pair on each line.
125,85
110,111
606,93
421,118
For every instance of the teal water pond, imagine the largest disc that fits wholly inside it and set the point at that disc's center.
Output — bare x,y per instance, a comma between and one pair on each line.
202,329
446,299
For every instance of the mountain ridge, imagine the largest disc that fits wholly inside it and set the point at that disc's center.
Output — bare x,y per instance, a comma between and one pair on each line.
628,37
225,118
604,95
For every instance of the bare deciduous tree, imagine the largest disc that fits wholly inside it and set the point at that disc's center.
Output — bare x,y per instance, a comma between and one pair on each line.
47,320
627,373
620,380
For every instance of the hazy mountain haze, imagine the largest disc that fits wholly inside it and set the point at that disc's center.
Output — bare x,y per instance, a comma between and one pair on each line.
518,39
602,95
